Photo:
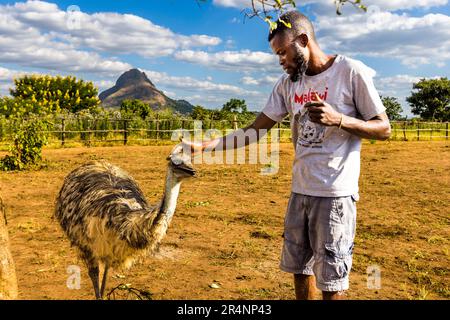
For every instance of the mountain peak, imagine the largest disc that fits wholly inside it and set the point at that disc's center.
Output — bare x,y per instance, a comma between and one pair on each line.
133,76
134,84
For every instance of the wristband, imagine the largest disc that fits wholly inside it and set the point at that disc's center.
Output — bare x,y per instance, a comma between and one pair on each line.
340,123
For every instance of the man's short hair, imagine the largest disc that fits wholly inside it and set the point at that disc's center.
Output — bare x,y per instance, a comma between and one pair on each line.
299,24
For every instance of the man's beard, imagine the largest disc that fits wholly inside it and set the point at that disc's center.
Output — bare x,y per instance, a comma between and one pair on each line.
301,62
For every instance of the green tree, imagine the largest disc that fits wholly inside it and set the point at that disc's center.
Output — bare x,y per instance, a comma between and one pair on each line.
136,108
431,99
393,107
238,108
200,113
36,94
235,106
9,106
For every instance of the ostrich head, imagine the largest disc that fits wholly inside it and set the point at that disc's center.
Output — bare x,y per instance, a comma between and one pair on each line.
180,163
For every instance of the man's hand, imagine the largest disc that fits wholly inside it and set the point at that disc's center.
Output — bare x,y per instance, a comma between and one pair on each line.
323,113
198,147
377,127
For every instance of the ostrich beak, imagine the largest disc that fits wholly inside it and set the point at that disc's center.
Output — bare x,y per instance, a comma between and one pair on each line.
187,169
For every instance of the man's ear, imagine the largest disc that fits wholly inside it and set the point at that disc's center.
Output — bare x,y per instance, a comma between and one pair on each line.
302,40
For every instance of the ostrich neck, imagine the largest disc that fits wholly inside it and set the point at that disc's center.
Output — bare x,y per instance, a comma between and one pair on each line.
171,191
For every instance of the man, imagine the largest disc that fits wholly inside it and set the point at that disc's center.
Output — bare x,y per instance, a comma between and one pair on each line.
332,103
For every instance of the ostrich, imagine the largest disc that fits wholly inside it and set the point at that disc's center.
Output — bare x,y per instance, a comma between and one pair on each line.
105,215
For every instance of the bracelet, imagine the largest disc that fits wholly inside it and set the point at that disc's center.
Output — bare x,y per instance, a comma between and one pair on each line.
340,123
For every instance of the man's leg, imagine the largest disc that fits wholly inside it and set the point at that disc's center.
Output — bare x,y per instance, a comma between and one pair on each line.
332,230
335,295
305,286
297,255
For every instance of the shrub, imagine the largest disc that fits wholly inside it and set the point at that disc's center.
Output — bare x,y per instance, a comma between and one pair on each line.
28,139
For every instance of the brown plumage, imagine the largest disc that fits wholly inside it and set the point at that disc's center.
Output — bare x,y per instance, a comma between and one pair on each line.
105,214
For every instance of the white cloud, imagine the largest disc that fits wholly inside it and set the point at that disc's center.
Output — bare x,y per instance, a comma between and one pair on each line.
104,31
4,89
103,84
266,80
398,86
56,56
233,3
404,4
8,75
191,84
249,81
38,34
170,94
244,60
235,20
205,93
328,7
393,83
230,44
25,45
412,40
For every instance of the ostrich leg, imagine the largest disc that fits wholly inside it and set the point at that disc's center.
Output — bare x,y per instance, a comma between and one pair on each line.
105,274
93,272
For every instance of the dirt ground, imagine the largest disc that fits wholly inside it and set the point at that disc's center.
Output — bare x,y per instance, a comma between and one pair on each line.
229,221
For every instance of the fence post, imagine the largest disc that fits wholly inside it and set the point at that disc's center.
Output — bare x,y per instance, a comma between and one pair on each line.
125,132
90,130
63,129
431,131
404,131
157,127
418,131
235,124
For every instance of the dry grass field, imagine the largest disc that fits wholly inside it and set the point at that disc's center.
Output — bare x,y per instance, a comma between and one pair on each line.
229,221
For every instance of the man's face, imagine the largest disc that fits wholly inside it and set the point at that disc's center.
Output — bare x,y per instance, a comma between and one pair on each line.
290,54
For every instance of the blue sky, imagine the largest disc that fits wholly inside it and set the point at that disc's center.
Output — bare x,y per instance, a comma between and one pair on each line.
206,54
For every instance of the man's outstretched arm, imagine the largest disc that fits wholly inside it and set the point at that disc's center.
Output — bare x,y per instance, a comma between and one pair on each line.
237,139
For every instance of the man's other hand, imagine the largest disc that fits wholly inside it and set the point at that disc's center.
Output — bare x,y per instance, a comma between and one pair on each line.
323,113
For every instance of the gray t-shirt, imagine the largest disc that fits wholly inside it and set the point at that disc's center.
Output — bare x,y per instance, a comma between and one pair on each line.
327,159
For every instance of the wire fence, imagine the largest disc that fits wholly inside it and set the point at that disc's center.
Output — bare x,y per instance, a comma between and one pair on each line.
92,131
419,131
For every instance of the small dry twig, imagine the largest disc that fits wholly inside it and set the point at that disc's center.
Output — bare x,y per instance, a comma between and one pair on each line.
126,292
